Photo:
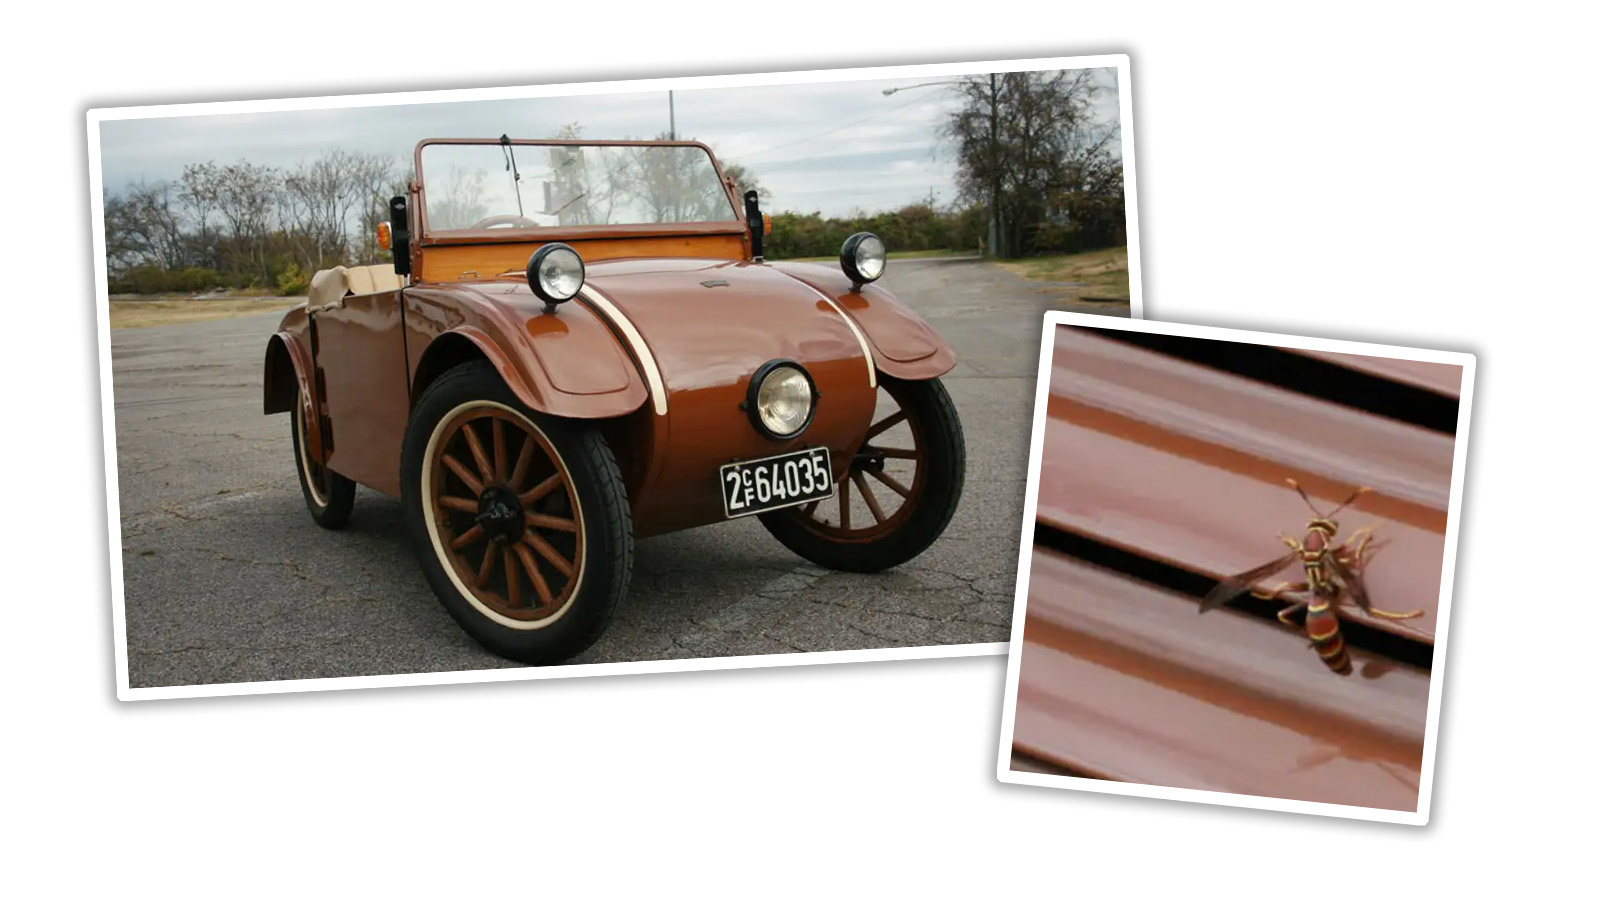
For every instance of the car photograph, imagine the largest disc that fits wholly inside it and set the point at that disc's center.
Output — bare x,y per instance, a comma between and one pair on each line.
580,343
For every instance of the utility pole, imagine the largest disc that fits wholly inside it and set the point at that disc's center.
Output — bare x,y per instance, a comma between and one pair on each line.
672,118
994,165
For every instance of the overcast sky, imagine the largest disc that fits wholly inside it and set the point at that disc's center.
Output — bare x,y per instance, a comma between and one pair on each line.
834,148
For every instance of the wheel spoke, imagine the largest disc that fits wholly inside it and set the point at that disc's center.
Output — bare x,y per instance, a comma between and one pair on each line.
462,472
478,456
499,432
524,459
467,537
458,503
548,552
889,480
541,490
897,453
810,509
844,505
529,563
554,523
487,567
866,494
513,582
886,424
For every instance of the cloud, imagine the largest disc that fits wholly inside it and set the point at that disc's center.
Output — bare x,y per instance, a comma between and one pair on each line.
829,147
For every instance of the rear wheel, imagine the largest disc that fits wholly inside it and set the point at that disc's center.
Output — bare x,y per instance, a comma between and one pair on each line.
520,520
329,495
899,493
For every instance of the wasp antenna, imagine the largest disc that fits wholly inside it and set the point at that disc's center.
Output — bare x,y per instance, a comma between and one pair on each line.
1296,485
1351,499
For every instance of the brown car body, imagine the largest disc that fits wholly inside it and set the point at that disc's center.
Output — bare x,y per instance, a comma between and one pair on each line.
658,349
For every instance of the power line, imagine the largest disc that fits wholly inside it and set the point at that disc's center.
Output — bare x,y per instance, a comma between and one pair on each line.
892,109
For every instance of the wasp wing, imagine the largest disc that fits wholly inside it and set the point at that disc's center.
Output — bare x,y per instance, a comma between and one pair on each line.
1244,581
1353,584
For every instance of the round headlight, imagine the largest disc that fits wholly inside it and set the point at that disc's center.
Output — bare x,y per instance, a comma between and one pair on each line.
863,257
781,399
555,273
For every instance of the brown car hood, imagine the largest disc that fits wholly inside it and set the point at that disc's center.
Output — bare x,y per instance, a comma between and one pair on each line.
712,323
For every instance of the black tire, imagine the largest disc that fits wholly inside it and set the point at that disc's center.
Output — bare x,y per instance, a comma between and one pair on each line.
908,533
329,495
602,533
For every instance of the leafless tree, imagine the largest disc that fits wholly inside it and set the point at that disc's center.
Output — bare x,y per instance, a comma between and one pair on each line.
1023,140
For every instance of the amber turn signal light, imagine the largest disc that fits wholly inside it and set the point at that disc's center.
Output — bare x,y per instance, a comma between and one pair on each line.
384,235
766,224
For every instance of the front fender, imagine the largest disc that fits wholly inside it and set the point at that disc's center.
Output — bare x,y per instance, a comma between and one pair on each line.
903,344
565,363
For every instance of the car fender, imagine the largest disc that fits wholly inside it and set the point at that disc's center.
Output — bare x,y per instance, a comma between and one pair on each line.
903,344
565,362
287,380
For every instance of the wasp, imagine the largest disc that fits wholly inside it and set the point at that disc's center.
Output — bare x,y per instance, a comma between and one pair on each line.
1332,573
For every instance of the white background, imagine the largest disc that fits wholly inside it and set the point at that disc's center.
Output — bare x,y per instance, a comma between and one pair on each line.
1349,171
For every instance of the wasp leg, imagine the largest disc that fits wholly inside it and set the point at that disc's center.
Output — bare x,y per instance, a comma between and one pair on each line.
1283,614
1361,538
1289,540
1383,613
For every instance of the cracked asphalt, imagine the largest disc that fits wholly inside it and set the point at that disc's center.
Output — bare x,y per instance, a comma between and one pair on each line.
227,579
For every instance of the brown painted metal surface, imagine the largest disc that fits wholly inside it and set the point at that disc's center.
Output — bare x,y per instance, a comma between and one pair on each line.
1444,380
1177,469
567,363
903,344
360,347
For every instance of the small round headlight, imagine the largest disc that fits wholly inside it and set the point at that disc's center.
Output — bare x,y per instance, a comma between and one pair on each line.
781,399
863,257
555,273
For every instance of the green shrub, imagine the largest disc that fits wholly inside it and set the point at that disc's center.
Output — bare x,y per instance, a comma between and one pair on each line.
294,281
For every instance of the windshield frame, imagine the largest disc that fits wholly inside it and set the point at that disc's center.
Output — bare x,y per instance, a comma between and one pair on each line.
734,224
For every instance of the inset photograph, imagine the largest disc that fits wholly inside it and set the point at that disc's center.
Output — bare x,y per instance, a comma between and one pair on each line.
1236,565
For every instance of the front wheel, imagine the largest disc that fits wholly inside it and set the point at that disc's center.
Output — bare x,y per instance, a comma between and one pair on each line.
899,492
519,520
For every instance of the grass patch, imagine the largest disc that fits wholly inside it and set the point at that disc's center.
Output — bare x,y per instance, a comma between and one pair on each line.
144,313
1104,273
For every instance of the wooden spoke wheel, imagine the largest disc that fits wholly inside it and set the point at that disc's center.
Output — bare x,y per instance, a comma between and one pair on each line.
329,495
898,492
520,520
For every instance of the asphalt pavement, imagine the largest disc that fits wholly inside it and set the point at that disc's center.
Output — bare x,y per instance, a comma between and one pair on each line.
227,579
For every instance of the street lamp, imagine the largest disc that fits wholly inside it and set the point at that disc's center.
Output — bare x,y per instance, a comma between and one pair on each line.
889,92
994,151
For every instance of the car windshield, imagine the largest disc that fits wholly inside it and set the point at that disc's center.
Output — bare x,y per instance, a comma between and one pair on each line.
473,186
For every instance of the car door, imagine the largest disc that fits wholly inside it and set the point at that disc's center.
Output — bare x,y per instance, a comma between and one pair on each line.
361,358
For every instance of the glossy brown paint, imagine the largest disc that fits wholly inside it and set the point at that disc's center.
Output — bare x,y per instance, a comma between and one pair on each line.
707,342
288,376
1119,680
903,344
361,351
567,363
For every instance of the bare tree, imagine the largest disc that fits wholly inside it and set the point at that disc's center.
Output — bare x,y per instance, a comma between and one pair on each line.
200,191
1022,141
246,198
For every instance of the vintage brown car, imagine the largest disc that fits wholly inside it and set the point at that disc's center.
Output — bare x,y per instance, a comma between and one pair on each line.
580,343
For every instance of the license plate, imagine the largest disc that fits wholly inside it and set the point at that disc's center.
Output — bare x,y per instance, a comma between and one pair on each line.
789,479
